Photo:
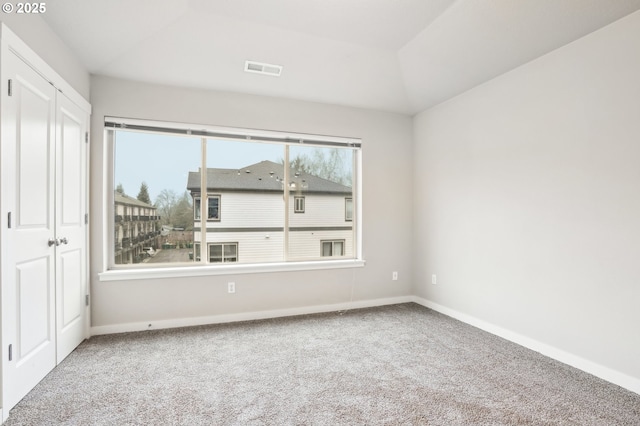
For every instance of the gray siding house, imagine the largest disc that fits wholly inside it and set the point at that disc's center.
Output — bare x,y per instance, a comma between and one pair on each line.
246,215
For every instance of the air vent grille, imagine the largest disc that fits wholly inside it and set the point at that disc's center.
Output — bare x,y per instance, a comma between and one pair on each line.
262,68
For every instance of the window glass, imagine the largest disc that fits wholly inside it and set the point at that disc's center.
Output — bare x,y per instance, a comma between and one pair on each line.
230,252
226,252
244,183
215,253
327,248
213,208
196,208
152,209
333,248
253,193
322,177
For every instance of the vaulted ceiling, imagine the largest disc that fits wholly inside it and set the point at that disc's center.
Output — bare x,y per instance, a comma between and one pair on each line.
392,55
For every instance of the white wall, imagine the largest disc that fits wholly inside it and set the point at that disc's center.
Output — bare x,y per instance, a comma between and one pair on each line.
387,177
37,34
527,201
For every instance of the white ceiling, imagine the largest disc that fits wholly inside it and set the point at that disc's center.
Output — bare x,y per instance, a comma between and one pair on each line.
391,55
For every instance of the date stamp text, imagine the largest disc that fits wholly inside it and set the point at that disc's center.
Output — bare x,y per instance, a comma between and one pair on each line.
24,8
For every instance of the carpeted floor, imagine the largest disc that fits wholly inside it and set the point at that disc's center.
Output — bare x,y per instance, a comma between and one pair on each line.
393,365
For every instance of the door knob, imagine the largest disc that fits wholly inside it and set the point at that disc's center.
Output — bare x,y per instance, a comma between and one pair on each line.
56,242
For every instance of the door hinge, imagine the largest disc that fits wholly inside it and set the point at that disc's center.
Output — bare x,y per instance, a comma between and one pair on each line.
86,137
10,352
86,300
9,220
10,87
86,218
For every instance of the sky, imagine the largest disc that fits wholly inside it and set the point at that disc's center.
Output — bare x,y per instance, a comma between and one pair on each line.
163,162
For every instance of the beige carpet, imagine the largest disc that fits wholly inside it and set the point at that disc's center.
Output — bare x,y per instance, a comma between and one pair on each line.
394,365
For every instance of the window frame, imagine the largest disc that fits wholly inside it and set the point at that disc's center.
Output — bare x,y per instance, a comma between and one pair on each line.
198,201
348,217
332,242
299,200
113,272
223,256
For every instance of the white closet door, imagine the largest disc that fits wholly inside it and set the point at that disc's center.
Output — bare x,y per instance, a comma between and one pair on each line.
28,282
71,206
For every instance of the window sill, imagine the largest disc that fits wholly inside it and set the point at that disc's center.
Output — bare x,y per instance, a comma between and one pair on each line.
201,271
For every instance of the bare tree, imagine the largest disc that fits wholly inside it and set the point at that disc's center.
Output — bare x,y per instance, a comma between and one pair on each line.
331,164
183,216
176,211
165,203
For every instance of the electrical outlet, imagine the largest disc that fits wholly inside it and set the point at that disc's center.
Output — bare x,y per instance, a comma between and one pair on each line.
231,287
434,280
394,275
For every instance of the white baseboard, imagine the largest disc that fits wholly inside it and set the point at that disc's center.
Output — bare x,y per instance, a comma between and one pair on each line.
245,316
605,373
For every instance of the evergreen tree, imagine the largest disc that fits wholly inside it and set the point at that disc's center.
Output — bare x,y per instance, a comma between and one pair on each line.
143,195
120,189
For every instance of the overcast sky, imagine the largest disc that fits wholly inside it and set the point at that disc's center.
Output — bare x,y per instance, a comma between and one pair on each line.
163,162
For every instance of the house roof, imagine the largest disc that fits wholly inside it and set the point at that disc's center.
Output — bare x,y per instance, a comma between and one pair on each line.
265,176
125,199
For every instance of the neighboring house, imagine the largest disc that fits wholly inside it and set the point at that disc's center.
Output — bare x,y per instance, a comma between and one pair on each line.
137,229
246,221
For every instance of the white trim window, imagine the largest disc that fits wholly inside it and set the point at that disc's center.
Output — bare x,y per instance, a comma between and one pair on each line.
196,252
213,207
332,248
348,209
266,179
223,252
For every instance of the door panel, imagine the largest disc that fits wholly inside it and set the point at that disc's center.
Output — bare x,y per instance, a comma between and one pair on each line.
35,322
70,168
72,289
33,148
43,167
28,287
71,254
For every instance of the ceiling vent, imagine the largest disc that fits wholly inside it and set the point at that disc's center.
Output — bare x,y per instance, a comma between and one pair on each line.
262,68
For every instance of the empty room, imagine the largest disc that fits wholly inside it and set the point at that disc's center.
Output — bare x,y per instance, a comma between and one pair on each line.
320,212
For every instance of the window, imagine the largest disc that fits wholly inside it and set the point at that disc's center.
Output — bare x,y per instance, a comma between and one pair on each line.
333,248
224,252
213,207
166,174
